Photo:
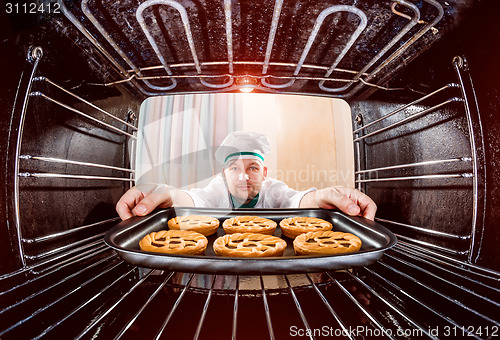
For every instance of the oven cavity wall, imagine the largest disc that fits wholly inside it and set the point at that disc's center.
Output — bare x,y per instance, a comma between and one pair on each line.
432,143
65,144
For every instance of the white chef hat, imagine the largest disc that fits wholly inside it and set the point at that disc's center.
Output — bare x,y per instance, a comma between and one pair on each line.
243,144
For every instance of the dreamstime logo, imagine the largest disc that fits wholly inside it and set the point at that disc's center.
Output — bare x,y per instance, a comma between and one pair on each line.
313,174
199,167
322,177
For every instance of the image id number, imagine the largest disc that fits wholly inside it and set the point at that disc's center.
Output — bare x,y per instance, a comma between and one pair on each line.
480,331
32,8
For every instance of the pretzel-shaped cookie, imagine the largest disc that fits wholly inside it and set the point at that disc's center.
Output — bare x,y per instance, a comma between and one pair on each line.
249,245
294,226
174,242
326,242
249,224
205,225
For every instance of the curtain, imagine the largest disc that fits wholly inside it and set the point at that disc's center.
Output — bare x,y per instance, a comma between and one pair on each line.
179,134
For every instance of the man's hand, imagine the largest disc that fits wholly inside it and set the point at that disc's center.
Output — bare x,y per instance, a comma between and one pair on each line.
143,199
351,201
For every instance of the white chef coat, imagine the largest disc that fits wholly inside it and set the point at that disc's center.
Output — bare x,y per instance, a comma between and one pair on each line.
273,194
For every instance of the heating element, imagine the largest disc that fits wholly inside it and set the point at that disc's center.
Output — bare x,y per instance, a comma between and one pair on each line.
159,20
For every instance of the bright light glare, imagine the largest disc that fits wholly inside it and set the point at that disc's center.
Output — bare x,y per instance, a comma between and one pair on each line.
246,88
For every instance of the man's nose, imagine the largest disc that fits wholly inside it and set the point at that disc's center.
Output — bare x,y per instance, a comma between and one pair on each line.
243,177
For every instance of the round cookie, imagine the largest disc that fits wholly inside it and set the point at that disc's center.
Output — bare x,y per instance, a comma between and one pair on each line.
249,224
326,242
249,245
293,226
205,225
174,242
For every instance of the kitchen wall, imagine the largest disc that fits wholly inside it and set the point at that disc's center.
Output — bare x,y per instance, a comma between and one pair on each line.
311,138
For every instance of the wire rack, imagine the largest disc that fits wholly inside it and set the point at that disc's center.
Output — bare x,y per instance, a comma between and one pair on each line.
412,292
95,230
467,169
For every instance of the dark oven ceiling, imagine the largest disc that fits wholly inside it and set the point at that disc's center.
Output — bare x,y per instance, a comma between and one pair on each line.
334,48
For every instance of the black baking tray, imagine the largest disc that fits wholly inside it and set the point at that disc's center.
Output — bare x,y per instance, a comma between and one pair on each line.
125,237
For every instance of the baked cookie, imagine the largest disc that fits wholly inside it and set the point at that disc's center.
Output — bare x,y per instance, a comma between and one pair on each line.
174,242
249,224
294,226
326,242
205,225
249,245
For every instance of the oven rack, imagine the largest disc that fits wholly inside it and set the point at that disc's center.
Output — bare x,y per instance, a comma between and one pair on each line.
88,235
425,163
358,137
444,171
433,233
31,273
458,296
83,114
88,19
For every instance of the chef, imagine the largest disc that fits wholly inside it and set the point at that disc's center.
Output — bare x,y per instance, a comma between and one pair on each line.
243,183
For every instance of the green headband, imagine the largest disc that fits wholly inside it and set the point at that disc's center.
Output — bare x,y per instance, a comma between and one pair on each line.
246,153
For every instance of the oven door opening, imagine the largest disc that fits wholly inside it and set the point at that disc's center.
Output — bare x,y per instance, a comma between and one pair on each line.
310,138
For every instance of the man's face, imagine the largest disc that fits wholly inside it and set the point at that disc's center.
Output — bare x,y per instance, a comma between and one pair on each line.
244,178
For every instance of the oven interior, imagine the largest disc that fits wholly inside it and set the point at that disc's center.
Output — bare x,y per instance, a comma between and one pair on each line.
420,78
